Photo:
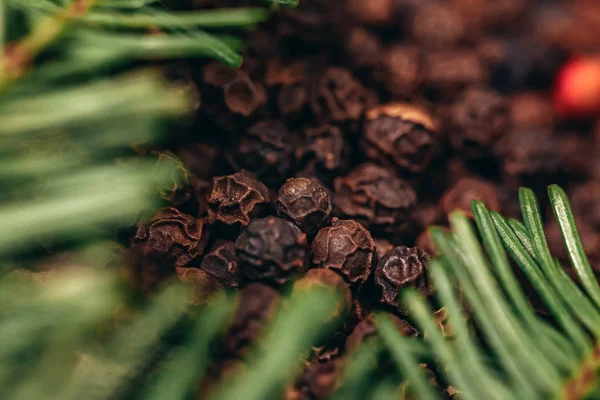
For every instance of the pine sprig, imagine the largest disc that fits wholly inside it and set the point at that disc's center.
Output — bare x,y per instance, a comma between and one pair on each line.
534,358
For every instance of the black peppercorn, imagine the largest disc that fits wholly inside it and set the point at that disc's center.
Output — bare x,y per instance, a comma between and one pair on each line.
399,70
222,263
323,277
377,199
400,268
367,328
304,202
479,118
459,197
437,26
347,248
400,135
528,155
447,73
236,199
272,250
339,97
266,150
325,151
168,241
256,306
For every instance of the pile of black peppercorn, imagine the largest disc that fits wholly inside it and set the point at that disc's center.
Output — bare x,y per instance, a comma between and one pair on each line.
352,126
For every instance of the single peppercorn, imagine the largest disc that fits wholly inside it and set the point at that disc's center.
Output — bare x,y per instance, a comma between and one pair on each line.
531,110
266,150
400,135
377,199
447,73
304,202
271,249
528,155
363,47
339,97
236,199
203,285
320,379
345,247
257,304
459,197
437,26
222,263
479,118
326,278
399,70
367,328
325,151
168,241
400,268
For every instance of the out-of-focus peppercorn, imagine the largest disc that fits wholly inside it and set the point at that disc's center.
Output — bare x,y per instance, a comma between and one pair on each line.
222,263
167,241
328,279
266,150
325,151
304,202
345,247
400,268
256,306
400,135
367,328
459,197
271,250
479,118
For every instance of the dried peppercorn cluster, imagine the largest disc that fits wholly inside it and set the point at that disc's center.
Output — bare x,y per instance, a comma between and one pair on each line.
352,126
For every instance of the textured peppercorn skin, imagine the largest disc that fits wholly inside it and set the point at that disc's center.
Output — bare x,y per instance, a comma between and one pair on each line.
400,268
377,199
266,150
479,118
304,202
222,263
257,304
236,198
271,250
339,97
168,241
401,136
325,151
345,247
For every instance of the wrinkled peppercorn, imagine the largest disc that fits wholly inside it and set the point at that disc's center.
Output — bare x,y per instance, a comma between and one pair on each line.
400,268
527,155
400,70
367,328
400,135
326,151
347,248
437,26
236,199
339,97
202,284
266,150
169,240
222,263
256,306
377,199
446,72
479,118
271,249
459,197
304,202
323,277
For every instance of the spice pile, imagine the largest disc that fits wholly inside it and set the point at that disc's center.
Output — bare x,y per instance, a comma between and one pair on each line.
351,127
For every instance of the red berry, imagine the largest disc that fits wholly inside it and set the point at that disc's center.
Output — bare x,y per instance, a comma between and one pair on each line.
577,88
